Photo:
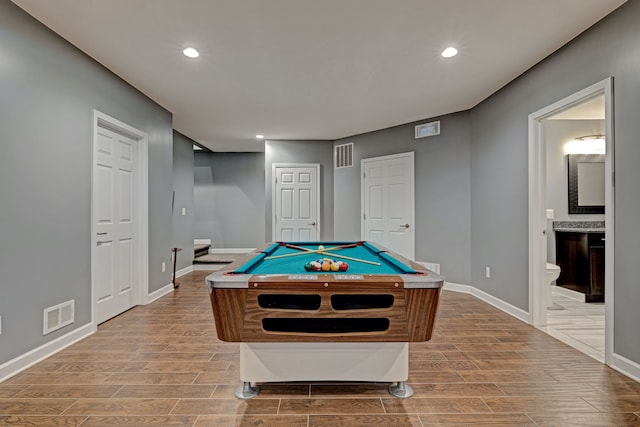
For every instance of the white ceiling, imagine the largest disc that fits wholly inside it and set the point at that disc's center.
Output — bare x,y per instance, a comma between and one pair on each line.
314,69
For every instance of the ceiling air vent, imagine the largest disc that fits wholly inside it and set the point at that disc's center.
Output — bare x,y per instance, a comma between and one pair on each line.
428,129
344,155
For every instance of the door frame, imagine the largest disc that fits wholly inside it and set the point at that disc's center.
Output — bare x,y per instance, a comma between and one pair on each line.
411,155
537,202
274,166
141,206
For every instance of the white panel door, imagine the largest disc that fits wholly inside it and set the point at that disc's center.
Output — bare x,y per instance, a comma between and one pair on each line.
296,203
388,202
114,191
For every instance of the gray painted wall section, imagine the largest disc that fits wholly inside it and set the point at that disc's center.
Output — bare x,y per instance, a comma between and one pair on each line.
229,199
48,90
182,225
499,207
320,152
557,133
441,190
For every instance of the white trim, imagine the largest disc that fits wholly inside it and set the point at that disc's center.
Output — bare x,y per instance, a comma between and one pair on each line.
620,363
274,166
231,250
38,354
166,289
537,192
412,220
625,366
201,241
184,271
141,275
489,299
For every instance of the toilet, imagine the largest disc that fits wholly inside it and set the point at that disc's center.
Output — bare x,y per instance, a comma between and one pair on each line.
552,272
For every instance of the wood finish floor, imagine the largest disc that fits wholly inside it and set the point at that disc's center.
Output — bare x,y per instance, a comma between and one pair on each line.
162,365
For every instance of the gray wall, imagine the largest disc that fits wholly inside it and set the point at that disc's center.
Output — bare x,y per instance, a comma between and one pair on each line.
48,90
182,226
441,190
229,199
557,133
302,152
499,210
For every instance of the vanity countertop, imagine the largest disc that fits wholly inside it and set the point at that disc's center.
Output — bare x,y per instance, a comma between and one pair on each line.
579,226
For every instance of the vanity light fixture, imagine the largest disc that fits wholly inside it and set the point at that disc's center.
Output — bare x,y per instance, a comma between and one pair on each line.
589,144
191,52
259,136
449,52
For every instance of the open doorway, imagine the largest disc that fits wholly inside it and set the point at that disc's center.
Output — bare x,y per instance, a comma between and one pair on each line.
552,132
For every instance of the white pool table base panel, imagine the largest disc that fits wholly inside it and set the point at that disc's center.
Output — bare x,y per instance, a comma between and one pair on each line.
349,361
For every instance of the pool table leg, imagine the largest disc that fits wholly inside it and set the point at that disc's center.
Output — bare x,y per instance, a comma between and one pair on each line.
246,391
401,390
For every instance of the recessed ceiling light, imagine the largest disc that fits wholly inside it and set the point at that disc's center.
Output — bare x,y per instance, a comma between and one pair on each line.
191,52
449,52
259,136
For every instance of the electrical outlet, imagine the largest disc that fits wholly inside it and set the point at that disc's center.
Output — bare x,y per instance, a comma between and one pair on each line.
164,266
184,211
487,272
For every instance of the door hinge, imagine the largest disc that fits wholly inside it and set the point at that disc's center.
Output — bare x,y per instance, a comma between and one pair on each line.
364,175
364,215
276,179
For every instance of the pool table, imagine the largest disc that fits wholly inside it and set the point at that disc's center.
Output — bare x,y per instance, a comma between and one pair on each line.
299,325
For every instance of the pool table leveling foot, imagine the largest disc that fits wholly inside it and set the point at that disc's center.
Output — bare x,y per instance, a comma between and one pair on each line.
401,390
246,391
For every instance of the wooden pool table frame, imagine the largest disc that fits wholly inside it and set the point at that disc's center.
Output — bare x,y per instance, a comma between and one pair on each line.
240,317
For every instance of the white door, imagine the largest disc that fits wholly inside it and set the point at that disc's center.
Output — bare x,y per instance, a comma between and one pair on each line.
388,202
296,201
114,191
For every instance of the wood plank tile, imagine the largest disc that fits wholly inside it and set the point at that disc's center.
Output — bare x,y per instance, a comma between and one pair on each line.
68,391
421,405
44,421
364,420
614,403
252,421
165,391
218,366
72,378
331,406
14,406
138,421
477,420
117,406
582,420
226,406
456,390
152,378
10,390
538,403
267,391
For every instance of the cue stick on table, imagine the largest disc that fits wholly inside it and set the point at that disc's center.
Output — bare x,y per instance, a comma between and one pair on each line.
306,251
322,252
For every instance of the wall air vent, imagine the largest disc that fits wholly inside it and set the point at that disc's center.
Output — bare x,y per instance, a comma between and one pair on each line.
428,129
344,155
58,316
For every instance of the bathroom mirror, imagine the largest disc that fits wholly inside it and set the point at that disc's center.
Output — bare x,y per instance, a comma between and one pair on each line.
586,183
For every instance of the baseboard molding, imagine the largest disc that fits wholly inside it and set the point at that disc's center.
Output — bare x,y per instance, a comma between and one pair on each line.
231,250
184,271
166,289
621,364
30,358
490,299
576,296
625,366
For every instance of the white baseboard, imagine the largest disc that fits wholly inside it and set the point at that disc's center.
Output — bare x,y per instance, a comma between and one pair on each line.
208,267
166,289
231,250
576,296
184,271
201,241
490,299
625,366
30,358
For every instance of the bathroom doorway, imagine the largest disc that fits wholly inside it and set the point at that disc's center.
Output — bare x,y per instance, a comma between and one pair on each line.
588,112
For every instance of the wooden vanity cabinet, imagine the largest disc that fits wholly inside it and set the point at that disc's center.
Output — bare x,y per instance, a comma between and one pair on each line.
580,256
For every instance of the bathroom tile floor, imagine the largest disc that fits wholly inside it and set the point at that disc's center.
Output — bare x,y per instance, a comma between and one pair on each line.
578,324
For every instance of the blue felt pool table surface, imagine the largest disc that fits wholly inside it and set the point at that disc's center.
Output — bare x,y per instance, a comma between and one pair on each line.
262,264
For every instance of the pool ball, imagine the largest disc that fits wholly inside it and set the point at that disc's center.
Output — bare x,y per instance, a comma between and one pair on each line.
344,266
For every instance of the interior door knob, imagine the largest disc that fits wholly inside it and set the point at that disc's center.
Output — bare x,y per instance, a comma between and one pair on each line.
313,223
405,226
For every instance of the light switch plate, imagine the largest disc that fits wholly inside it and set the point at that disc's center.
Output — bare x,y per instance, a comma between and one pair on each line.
549,213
